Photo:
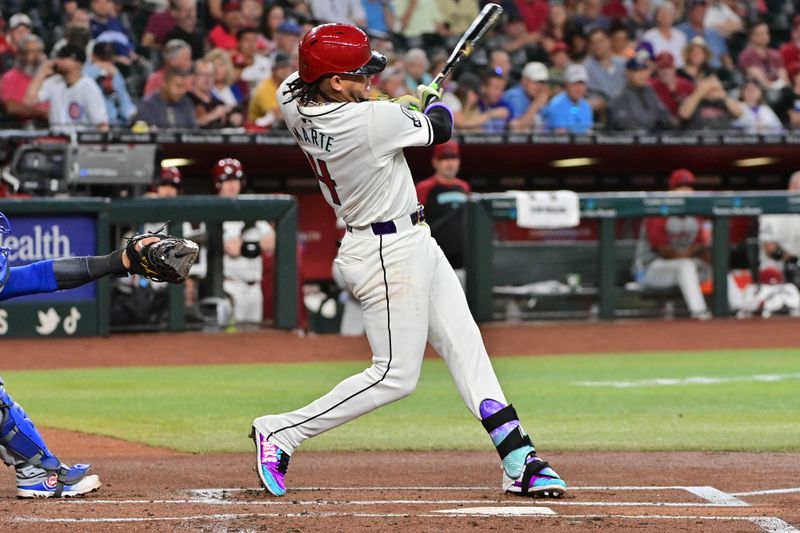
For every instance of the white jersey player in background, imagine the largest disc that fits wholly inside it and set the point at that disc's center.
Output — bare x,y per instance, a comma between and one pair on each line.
388,259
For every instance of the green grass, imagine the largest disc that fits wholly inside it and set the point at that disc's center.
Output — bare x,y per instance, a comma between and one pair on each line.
209,408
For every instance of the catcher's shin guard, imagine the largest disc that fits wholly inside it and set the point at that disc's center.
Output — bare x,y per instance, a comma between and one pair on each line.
523,472
23,444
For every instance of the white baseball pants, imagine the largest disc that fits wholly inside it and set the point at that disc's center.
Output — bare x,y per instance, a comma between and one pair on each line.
685,273
410,295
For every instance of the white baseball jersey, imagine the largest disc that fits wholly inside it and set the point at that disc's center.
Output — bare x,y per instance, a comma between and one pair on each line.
77,106
356,152
781,229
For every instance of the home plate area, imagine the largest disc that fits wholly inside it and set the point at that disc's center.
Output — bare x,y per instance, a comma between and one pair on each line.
435,508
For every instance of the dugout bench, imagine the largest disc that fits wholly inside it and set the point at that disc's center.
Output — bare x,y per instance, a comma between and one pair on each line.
490,264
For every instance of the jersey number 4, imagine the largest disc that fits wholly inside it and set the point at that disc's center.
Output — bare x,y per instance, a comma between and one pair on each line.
320,168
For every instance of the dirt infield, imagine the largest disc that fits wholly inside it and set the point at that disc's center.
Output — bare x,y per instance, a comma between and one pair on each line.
155,489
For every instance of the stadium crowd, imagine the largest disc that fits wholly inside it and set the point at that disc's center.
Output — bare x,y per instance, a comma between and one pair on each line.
558,66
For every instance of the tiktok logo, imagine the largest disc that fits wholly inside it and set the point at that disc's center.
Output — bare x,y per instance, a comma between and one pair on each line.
49,320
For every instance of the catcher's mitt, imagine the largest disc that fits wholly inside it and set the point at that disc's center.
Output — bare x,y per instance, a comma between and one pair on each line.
168,259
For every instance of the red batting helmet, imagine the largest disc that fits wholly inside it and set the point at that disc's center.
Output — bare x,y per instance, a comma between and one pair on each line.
337,49
227,169
170,176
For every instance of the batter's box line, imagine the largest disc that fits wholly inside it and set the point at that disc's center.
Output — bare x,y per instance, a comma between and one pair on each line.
769,524
713,497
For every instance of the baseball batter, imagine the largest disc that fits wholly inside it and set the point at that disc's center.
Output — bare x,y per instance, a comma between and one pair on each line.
406,286
39,473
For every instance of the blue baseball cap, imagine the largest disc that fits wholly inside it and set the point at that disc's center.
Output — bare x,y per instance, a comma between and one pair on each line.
290,27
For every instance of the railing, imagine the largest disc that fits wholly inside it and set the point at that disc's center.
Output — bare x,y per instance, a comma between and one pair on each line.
483,210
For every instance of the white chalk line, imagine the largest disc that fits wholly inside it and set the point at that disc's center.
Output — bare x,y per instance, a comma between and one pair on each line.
769,524
691,380
766,492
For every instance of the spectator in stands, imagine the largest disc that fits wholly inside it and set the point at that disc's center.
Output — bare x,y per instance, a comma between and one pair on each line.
418,17
119,105
670,88
161,23
559,61
458,14
274,16
287,37
186,29
211,112
392,83
77,32
569,111
223,35
534,13
760,62
555,28
709,107
591,17
695,26
170,107
258,67
75,100
416,67
380,15
664,37
779,239
518,44
787,105
756,117
722,18
223,77
673,251
606,73
105,26
467,115
19,25
344,11
252,13
528,98
790,50
638,107
622,47
500,62
15,82
443,194
696,59
639,20
493,84
264,110
177,56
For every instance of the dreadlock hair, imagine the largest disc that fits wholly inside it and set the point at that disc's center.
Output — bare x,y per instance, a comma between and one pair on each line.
301,91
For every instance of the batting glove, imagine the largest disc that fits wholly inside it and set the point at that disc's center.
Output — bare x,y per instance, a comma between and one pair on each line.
408,101
428,94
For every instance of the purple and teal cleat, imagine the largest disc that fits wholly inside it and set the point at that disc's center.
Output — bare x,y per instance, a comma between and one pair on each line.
523,472
272,464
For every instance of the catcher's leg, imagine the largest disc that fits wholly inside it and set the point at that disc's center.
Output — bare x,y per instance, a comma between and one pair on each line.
456,337
39,473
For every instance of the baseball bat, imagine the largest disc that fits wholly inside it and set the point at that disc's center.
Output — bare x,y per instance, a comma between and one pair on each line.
471,39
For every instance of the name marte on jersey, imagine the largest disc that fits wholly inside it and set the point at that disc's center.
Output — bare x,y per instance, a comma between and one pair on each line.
314,137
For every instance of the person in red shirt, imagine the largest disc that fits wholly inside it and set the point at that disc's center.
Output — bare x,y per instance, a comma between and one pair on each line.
670,88
534,12
674,251
790,51
161,23
760,62
15,82
223,35
443,194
